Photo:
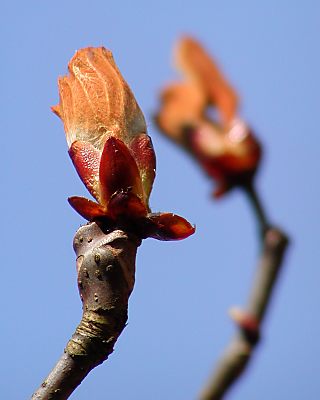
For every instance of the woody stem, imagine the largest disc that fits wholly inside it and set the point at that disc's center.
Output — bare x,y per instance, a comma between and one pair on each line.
257,206
239,352
106,269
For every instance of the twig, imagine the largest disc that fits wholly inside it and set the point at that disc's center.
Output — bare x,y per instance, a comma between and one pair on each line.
106,273
257,206
239,352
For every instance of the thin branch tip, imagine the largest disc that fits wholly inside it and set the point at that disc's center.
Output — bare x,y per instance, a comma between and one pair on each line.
238,354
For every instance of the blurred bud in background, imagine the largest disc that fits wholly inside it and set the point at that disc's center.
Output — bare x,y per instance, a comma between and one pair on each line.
201,114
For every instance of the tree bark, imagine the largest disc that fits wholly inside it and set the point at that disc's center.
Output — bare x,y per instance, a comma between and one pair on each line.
106,275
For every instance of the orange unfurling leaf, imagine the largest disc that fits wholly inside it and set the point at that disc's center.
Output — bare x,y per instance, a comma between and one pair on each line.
182,104
199,67
96,102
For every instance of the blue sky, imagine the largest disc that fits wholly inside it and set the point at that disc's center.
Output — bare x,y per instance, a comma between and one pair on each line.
178,323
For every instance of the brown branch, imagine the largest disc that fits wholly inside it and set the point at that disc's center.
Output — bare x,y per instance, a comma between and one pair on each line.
257,206
106,273
237,355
